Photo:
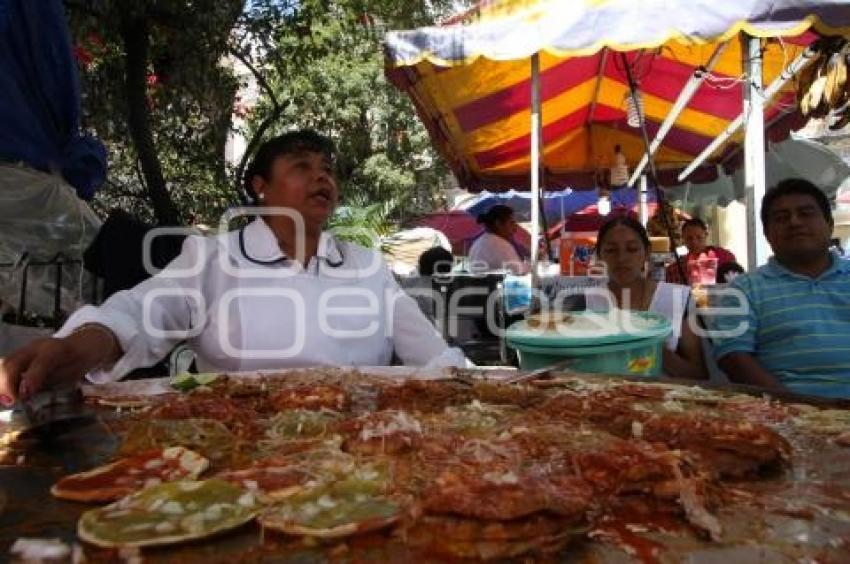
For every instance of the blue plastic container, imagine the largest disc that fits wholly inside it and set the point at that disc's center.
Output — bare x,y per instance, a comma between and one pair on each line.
634,352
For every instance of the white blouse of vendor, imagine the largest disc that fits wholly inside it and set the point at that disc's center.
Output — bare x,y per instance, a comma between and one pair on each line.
669,300
492,252
344,309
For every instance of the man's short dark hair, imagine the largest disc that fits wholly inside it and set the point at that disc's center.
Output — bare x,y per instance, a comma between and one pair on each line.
695,222
290,143
791,186
435,260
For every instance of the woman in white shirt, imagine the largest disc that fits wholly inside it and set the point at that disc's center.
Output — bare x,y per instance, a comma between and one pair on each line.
623,245
494,249
279,292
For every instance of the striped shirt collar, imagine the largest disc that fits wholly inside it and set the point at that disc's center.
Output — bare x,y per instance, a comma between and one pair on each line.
775,269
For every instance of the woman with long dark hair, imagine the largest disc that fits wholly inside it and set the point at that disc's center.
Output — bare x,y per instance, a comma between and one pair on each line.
623,246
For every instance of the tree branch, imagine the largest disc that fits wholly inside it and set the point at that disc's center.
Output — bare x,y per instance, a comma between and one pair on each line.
134,32
257,76
121,190
252,146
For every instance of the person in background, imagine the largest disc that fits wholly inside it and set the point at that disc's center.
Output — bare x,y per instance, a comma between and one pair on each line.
623,245
494,249
695,236
435,261
796,318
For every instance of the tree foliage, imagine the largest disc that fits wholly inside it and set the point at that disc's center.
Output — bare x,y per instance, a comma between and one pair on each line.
324,69
160,84
156,93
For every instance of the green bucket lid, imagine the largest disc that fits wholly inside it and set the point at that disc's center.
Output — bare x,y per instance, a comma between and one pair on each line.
593,328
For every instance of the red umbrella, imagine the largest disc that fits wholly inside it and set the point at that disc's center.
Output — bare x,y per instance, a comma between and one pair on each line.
461,229
589,219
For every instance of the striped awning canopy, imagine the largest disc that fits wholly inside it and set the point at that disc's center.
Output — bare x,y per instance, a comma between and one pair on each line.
470,81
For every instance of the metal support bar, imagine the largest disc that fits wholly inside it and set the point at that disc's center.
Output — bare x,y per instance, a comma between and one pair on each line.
659,197
642,199
798,64
22,302
58,261
754,167
688,91
57,295
600,75
535,166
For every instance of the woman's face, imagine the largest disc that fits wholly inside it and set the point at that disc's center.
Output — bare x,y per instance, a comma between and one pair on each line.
304,182
505,228
624,254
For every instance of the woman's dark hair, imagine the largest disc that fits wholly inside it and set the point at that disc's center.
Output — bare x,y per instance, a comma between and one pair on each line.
494,215
726,268
290,143
435,260
695,222
791,186
625,221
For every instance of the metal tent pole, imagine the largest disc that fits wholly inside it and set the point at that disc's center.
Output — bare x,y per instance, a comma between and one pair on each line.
659,196
754,169
642,199
535,167
687,92
806,58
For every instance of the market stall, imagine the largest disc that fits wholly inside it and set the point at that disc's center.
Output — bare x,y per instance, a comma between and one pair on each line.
411,464
394,463
542,93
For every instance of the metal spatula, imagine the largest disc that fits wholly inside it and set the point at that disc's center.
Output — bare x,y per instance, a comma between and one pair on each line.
53,412
542,373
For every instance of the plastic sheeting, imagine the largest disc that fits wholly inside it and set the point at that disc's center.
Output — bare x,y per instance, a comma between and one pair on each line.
794,158
505,30
40,217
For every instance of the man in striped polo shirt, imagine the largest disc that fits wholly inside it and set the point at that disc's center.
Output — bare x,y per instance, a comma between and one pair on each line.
796,329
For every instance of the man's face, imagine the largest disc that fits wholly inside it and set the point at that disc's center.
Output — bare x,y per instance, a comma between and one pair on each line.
694,238
304,182
797,229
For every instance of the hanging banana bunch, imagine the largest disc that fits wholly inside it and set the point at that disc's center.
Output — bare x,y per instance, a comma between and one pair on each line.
840,102
804,84
823,88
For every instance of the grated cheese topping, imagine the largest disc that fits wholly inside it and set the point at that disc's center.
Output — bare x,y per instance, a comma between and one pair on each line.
399,422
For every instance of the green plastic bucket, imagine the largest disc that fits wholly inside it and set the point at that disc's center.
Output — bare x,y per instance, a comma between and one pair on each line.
633,352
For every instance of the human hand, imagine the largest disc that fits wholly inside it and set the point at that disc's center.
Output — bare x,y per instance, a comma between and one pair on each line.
52,362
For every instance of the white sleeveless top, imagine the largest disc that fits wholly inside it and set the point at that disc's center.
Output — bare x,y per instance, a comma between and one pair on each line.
669,300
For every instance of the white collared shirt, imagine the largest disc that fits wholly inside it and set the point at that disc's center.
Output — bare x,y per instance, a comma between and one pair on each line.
491,252
343,309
